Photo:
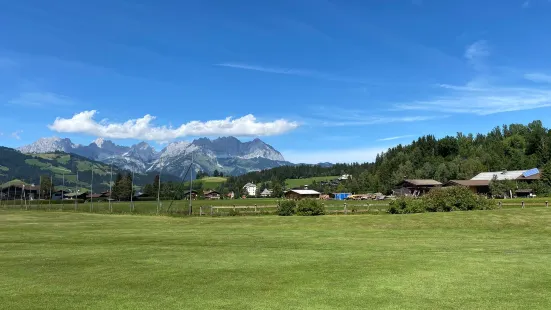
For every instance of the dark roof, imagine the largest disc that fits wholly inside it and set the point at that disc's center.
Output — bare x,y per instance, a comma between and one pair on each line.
422,182
193,192
473,183
211,192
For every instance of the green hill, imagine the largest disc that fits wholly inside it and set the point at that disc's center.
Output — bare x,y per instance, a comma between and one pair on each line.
62,167
291,183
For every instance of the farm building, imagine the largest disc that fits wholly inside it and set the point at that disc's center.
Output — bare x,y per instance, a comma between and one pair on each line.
250,188
416,187
298,194
212,195
266,193
519,175
476,186
524,193
193,195
20,191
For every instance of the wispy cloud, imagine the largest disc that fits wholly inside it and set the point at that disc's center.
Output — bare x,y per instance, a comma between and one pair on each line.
396,138
477,53
143,129
296,72
38,99
17,134
484,100
538,77
482,97
526,4
325,116
333,155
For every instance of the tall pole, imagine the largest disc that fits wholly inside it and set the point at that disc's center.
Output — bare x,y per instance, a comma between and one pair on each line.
76,192
190,185
92,192
110,189
132,193
51,185
62,188
39,192
21,197
159,189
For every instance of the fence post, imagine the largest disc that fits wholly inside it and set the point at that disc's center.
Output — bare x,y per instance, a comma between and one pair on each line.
345,209
200,210
547,204
522,204
233,207
210,210
500,204
255,208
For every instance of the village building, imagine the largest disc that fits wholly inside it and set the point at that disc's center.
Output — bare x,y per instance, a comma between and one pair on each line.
298,194
476,186
194,195
266,193
212,195
415,187
518,175
250,188
20,191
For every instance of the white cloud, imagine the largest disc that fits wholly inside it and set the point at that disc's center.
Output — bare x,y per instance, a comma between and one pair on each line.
477,53
143,129
484,100
17,134
538,77
37,99
297,72
396,138
334,156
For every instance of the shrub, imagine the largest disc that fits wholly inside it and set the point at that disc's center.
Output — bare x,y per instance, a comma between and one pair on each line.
286,208
406,206
442,200
310,207
234,212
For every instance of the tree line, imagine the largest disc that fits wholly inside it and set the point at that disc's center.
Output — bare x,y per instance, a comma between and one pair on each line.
509,147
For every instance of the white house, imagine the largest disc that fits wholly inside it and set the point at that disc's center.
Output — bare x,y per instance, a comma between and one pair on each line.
250,188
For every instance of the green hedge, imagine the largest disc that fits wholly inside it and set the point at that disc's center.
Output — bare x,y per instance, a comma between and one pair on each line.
286,208
456,198
310,207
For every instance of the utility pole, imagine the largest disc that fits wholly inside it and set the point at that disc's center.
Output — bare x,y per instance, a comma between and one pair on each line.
62,195
110,189
51,185
76,193
132,193
191,186
159,188
92,192
39,192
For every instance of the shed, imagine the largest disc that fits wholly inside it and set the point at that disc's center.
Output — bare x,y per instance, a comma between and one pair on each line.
193,194
212,195
524,192
341,196
298,194
419,186
476,186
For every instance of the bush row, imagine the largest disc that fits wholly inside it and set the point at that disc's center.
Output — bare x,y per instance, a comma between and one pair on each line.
447,199
306,207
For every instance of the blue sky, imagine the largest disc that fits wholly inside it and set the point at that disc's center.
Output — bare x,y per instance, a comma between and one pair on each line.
319,80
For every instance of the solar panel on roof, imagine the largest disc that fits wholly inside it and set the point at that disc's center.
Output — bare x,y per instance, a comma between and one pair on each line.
530,172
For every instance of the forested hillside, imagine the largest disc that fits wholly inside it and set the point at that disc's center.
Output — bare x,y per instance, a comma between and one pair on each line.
462,156
63,167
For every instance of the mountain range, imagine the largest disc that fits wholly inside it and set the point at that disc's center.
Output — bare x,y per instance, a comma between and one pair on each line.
228,155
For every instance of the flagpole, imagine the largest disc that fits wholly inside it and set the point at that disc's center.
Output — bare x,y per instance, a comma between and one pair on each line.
63,187
76,193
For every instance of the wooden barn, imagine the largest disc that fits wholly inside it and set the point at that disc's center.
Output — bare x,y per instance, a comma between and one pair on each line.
298,194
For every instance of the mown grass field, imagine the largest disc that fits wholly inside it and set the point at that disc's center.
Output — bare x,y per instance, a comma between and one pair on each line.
470,260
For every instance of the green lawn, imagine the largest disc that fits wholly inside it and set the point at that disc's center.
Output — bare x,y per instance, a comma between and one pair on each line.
210,182
307,181
471,260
